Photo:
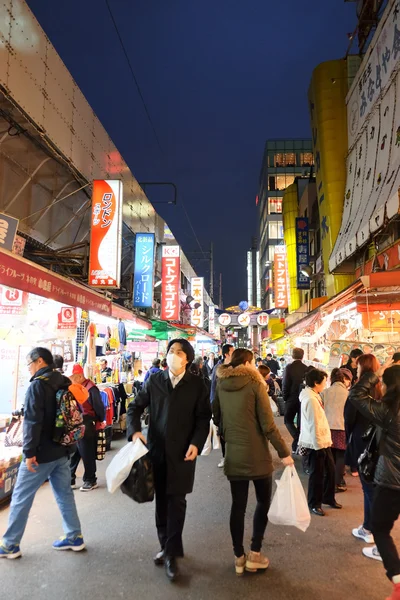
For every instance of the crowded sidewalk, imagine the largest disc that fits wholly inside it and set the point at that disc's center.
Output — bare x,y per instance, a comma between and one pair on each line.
324,563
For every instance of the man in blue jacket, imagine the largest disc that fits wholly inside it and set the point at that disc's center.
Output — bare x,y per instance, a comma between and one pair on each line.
43,459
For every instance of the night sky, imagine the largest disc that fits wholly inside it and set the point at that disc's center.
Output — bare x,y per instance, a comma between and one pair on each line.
219,77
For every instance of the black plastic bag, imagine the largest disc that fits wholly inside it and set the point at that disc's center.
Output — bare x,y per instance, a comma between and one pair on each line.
139,485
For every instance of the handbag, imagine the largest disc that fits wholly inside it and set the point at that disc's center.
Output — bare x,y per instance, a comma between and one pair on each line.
139,485
368,460
14,433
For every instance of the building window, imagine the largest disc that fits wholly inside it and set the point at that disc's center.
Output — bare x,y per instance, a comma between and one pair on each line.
283,181
285,159
306,159
271,183
275,230
274,206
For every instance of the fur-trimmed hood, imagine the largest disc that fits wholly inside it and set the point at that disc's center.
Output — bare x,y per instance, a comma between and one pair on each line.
235,378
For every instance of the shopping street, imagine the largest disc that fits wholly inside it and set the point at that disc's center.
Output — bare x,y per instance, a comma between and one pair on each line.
324,563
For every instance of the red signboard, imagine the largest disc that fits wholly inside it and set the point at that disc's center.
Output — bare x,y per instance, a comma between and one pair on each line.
21,274
170,282
281,278
67,318
12,301
105,234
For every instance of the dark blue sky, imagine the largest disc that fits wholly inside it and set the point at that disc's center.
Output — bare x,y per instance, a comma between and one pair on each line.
219,78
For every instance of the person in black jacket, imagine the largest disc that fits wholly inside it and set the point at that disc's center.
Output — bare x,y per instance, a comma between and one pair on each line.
351,364
179,409
273,364
43,459
386,504
293,377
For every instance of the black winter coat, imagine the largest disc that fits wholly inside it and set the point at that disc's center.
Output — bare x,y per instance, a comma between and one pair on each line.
179,417
387,472
293,377
40,416
356,423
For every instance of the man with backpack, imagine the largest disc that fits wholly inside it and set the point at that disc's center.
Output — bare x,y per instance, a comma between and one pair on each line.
43,459
93,413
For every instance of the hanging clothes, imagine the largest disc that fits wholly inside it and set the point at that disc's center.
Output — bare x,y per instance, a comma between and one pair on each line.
122,334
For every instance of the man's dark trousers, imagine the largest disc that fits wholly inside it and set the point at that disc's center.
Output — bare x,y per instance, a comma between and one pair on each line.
170,514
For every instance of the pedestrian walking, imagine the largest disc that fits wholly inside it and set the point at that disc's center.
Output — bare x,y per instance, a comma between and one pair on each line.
43,459
359,428
334,400
227,351
155,368
179,409
315,436
93,414
270,383
273,364
58,362
209,365
386,502
352,364
242,411
293,378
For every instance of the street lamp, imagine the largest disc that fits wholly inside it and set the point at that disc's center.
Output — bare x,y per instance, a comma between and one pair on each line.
307,271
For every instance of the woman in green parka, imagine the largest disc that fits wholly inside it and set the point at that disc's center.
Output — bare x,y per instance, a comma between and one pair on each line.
242,411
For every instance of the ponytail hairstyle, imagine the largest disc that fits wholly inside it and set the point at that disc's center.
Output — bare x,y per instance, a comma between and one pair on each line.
391,378
241,356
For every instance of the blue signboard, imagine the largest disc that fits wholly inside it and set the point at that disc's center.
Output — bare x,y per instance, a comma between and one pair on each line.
302,252
144,270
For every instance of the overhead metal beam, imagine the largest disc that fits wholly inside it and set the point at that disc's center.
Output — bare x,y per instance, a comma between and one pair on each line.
78,214
45,210
26,183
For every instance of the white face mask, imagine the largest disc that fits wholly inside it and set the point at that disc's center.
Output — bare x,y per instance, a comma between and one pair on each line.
174,362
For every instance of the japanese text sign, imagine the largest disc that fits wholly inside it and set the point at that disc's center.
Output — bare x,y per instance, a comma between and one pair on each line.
8,229
170,283
197,291
302,252
263,319
144,270
281,278
105,234
211,319
225,319
67,318
12,301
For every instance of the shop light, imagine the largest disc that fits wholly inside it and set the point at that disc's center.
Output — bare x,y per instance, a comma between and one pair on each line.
158,282
307,271
345,309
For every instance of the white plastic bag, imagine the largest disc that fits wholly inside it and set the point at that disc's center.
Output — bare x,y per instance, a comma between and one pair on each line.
289,505
121,465
212,441
274,407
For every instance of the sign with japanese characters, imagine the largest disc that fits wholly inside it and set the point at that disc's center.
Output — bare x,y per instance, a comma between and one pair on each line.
170,283
197,291
21,274
144,269
211,319
225,319
244,319
12,301
302,252
281,278
19,245
376,69
8,229
263,319
105,234
67,318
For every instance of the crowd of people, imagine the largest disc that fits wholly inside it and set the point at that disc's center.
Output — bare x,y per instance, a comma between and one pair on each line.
354,422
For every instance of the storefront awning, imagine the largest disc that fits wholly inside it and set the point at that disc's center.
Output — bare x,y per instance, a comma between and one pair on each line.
119,312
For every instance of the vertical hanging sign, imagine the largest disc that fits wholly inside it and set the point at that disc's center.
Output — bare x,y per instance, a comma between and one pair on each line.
144,270
106,234
170,283
211,319
302,252
197,291
281,278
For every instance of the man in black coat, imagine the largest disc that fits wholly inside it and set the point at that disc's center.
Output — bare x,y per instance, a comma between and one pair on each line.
273,364
293,377
179,410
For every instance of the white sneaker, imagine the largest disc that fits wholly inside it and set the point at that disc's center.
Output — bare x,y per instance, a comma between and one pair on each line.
221,463
363,534
372,553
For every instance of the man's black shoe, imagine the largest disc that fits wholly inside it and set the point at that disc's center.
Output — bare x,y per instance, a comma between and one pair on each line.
317,511
171,568
334,504
159,558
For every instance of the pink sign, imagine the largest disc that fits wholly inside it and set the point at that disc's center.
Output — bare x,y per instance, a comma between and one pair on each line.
143,347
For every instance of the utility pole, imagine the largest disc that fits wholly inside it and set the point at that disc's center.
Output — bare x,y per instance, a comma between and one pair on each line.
220,291
211,271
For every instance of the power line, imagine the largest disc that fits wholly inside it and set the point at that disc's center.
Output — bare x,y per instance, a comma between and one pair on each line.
193,231
134,78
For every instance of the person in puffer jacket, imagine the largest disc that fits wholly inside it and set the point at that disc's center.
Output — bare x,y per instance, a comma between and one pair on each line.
386,504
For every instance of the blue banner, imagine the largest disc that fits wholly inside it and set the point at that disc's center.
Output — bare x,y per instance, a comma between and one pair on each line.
144,270
302,252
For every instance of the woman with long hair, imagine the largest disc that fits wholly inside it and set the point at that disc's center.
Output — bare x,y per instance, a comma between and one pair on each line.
334,399
358,430
241,407
386,504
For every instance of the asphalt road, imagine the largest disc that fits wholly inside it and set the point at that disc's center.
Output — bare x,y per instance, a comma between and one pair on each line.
325,563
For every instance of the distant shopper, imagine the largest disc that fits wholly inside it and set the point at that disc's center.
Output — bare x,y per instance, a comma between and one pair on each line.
43,459
315,435
106,371
58,362
241,408
227,351
282,364
273,364
209,365
396,358
179,409
266,375
351,364
293,378
164,364
386,503
93,413
155,368
334,400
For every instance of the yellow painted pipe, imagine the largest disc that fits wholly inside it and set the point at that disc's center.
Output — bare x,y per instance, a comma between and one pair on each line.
290,210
